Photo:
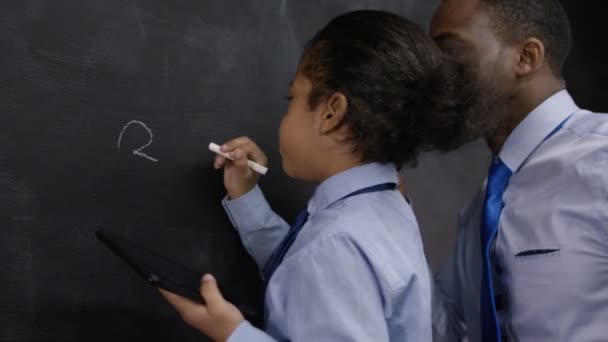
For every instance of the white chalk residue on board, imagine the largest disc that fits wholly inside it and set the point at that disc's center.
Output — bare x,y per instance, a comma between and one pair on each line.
139,151
135,11
285,21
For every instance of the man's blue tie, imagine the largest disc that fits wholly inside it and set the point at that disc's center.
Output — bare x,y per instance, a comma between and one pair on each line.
497,182
498,178
278,254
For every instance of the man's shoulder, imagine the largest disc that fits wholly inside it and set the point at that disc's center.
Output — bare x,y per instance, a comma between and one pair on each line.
469,215
590,146
589,123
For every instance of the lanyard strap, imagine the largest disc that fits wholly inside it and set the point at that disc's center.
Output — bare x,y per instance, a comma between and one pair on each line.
279,253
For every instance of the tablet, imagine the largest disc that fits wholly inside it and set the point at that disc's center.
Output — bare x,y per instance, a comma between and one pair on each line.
160,271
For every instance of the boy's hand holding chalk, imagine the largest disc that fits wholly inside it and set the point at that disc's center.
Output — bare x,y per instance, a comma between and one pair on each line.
243,162
261,169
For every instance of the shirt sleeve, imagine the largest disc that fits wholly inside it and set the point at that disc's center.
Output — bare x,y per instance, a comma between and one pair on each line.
329,293
602,167
246,332
448,320
261,229
449,283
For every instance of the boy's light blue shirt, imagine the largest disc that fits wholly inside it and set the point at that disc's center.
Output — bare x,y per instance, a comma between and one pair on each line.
356,272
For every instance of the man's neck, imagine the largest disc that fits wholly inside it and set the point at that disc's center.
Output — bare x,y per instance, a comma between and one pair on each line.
521,106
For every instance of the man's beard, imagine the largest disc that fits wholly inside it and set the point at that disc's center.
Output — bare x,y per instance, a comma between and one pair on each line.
488,113
485,113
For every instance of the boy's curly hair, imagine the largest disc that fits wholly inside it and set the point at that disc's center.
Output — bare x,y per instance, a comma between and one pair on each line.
404,95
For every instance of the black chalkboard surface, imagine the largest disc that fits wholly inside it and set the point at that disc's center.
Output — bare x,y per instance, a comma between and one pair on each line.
106,111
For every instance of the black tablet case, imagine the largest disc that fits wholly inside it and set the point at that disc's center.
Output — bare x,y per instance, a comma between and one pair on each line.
161,271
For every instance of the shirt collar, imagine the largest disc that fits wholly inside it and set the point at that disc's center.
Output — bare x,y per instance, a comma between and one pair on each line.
535,127
349,181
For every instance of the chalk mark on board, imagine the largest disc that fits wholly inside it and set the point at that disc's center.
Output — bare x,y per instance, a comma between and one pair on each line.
285,20
135,11
139,151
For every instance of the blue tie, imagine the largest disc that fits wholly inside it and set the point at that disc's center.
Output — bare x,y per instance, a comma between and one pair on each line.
497,182
277,255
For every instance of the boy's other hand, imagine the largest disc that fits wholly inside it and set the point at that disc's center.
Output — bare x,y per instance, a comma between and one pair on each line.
217,318
239,179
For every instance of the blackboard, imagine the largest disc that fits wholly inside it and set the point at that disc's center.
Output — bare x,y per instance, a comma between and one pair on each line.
107,110
166,78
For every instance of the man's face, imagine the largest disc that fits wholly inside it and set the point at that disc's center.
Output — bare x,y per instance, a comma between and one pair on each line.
464,31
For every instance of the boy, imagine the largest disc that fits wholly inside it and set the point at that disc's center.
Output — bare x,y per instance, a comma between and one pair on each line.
367,96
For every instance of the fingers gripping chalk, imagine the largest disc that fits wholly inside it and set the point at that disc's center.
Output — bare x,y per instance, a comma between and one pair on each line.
261,169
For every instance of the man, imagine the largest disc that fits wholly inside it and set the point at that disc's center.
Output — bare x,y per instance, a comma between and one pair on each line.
531,261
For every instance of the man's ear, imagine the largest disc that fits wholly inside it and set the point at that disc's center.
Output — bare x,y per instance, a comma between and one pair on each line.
333,113
531,57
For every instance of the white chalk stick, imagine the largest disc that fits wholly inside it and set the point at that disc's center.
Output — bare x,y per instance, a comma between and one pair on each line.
261,169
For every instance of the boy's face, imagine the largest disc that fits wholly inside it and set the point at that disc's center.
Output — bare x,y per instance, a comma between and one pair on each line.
299,138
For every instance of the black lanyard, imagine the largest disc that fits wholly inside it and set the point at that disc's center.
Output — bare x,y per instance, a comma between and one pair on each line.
279,253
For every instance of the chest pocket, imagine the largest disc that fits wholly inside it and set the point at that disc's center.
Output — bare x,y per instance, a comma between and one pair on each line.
536,253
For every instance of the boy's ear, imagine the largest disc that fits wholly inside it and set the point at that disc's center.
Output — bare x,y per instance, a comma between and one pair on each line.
333,114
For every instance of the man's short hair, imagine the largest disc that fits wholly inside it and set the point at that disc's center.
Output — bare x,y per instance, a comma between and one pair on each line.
546,20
